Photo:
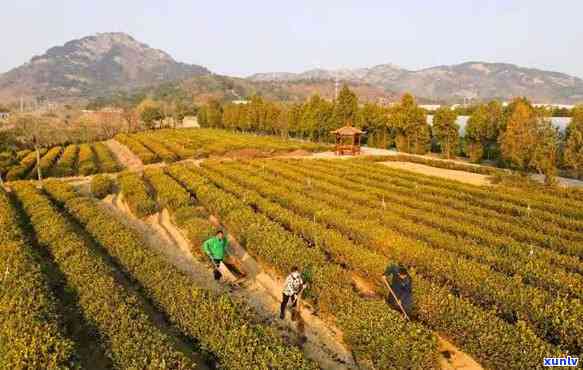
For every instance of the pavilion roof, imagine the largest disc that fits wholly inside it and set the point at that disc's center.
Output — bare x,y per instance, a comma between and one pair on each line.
347,131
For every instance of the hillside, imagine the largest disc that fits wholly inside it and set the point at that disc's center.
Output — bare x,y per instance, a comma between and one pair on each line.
92,66
478,80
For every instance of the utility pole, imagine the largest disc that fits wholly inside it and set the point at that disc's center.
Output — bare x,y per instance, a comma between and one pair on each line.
336,84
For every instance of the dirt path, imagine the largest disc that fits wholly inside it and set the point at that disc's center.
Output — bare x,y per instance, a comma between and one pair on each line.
125,156
462,176
259,290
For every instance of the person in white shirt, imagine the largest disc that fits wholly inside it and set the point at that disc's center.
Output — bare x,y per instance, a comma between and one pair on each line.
293,286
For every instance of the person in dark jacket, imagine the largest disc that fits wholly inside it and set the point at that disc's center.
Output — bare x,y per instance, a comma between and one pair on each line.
402,285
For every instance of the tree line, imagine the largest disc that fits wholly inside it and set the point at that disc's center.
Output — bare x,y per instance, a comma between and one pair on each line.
517,136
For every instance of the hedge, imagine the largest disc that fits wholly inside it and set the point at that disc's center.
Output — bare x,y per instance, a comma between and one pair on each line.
106,160
31,336
551,225
508,342
222,325
67,164
537,265
20,171
145,154
376,334
102,186
168,192
136,194
130,337
158,148
546,313
86,165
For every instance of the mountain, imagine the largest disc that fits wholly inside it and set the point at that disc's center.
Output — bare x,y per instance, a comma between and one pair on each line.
477,80
93,66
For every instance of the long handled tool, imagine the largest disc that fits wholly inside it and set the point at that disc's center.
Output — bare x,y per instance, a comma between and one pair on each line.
397,300
297,305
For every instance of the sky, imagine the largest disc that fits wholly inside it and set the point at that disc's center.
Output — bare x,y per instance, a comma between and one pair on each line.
240,38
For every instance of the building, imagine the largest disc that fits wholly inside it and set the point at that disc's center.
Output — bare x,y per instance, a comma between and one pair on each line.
4,115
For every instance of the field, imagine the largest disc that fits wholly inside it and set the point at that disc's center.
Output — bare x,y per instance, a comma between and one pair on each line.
173,145
110,273
71,160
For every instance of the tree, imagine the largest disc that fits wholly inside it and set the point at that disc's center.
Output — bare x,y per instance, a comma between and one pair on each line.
151,115
214,114
573,152
35,132
345,107
150,112
529,141
446,130
374,120
483,130
409,122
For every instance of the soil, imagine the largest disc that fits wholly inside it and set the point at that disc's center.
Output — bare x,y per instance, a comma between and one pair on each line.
246,154
125,156
461,176
451,358
299,153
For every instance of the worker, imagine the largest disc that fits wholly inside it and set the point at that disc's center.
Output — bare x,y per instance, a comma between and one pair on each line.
292,289
402,287
216,248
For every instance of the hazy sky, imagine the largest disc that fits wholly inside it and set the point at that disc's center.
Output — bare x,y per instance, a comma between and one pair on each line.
244,37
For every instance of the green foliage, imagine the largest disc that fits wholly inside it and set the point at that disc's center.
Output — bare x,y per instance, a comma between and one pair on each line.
375,119
573,151
224,326
86,162
345,107
529,141
102,186
25,167
31,336
336,232
168,192
46,162
66,165
151,115
118,314
409,122
446,130
330,287
137,194
145,154
105,158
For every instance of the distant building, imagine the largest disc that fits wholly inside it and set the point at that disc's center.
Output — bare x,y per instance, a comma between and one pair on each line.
430,106
190,121
240,102
4,115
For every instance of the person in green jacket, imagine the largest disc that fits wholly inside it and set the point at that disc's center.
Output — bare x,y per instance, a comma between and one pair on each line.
217,249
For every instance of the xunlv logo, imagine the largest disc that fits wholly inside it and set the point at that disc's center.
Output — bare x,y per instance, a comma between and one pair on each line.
561,361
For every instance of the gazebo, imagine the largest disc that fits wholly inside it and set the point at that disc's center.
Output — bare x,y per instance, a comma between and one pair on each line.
347,140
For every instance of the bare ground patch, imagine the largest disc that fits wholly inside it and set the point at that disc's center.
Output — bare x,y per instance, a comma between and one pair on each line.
461,176
125,156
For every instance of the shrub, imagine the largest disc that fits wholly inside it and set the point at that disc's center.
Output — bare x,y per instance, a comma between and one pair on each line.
106,160
222,325
131,339
102,186
87,165
30,332
136,194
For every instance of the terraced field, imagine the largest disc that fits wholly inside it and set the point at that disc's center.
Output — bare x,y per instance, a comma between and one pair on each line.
72,160
496,271
172,145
